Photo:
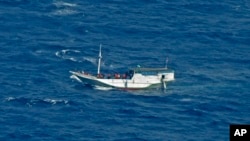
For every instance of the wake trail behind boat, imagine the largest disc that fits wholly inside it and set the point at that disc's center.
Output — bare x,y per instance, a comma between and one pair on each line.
74,55
79,57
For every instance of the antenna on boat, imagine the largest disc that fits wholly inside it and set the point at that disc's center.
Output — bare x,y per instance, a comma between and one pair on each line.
99,59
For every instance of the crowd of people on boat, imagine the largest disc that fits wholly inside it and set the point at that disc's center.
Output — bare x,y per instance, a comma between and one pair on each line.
114,76
127,75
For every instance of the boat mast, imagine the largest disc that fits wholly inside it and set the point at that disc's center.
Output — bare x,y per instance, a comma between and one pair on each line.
99,59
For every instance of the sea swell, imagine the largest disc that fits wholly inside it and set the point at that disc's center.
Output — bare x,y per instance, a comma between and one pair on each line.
207,44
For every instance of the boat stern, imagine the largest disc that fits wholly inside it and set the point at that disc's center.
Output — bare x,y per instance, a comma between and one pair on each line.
169,76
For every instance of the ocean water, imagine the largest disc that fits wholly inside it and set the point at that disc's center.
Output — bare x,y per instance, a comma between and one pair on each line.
207,43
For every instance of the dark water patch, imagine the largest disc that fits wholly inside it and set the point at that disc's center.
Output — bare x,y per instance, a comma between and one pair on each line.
14,2
19,136
205,7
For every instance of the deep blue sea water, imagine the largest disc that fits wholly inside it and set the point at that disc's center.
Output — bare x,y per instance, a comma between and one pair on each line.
207,43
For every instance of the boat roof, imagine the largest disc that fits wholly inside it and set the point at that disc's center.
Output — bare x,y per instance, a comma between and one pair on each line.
138,69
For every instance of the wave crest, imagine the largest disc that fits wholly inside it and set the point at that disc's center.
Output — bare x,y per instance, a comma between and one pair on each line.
67,54
64,8
36,102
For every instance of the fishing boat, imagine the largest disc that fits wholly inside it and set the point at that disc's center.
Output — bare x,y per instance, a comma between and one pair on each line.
134,79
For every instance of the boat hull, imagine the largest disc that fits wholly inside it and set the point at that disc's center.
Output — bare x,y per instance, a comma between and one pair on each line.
135,83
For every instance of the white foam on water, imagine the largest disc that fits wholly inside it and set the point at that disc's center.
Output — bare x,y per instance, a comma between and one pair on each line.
186,99
10,98
53,101
73,59
64,12
31,102
90,59
57,54
64,8
75,78
103,88
59,4
67,55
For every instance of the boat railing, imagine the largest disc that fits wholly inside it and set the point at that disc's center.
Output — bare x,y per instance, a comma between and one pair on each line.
114,76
